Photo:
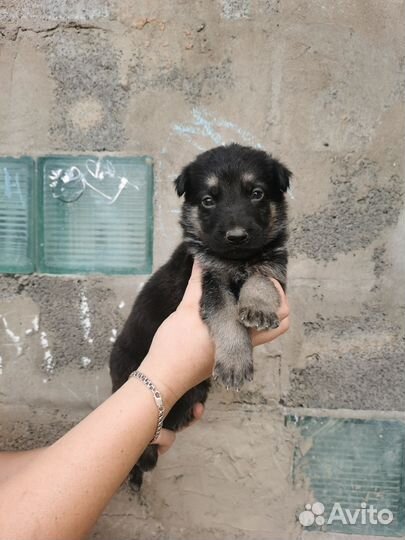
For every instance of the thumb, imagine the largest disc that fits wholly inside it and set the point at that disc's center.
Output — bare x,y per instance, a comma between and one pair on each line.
193,291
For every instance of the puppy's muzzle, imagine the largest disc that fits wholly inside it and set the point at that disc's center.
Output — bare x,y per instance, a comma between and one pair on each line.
237,236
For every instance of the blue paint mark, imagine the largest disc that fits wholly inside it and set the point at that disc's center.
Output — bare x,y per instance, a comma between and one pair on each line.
245,135
208,126
185,130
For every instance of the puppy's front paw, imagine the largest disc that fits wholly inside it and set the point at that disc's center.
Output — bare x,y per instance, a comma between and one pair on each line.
233,369
258,319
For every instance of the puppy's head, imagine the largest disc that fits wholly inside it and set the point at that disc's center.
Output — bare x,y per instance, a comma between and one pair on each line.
234,200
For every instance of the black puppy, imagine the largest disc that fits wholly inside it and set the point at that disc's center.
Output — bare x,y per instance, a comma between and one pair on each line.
234,220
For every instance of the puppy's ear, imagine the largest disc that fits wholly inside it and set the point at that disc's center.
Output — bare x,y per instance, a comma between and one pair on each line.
180,185
281,175
181,182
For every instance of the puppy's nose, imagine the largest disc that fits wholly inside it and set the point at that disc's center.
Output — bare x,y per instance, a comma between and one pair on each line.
237,236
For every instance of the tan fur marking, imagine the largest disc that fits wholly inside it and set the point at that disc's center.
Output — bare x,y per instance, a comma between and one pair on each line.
274,226
212,181
248,177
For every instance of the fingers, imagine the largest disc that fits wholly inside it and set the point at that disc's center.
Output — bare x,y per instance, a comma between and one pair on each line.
198,411
283,310
192,298
167,437
165,440
192,294
259,338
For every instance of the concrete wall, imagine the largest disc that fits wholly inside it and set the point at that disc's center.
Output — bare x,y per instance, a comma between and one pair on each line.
319,84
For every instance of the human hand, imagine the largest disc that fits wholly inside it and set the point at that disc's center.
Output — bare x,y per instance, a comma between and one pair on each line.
167,437
265,336
182,352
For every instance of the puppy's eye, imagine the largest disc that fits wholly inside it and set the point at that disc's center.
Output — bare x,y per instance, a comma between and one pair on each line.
208,202
257,194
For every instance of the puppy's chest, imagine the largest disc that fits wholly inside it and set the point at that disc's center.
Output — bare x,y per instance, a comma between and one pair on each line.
233,280
235,285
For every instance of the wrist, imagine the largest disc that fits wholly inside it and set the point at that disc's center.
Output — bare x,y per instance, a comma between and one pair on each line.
163,381
157,396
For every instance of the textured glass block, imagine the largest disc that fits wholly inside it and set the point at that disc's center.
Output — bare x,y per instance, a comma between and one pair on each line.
16,215
95,215
358,464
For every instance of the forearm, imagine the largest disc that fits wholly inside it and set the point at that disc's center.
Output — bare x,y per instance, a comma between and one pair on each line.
70,482
13,462
61,491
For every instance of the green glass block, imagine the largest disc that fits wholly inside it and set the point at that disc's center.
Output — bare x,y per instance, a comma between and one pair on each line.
95,215
353,462
16,215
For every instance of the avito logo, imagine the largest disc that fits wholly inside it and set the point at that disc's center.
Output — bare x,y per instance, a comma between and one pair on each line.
314,514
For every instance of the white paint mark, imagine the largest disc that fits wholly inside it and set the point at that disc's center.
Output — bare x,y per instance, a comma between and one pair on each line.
121,304
1,365
35,323
44,340
76,180
48,361
86,361
85,317
100,169
114,335
123,183
48,358
13,337
35,326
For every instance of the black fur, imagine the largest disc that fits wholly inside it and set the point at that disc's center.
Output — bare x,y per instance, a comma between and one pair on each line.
234,220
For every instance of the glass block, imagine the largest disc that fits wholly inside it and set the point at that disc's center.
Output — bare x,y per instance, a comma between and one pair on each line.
352,465
16,215
95,215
